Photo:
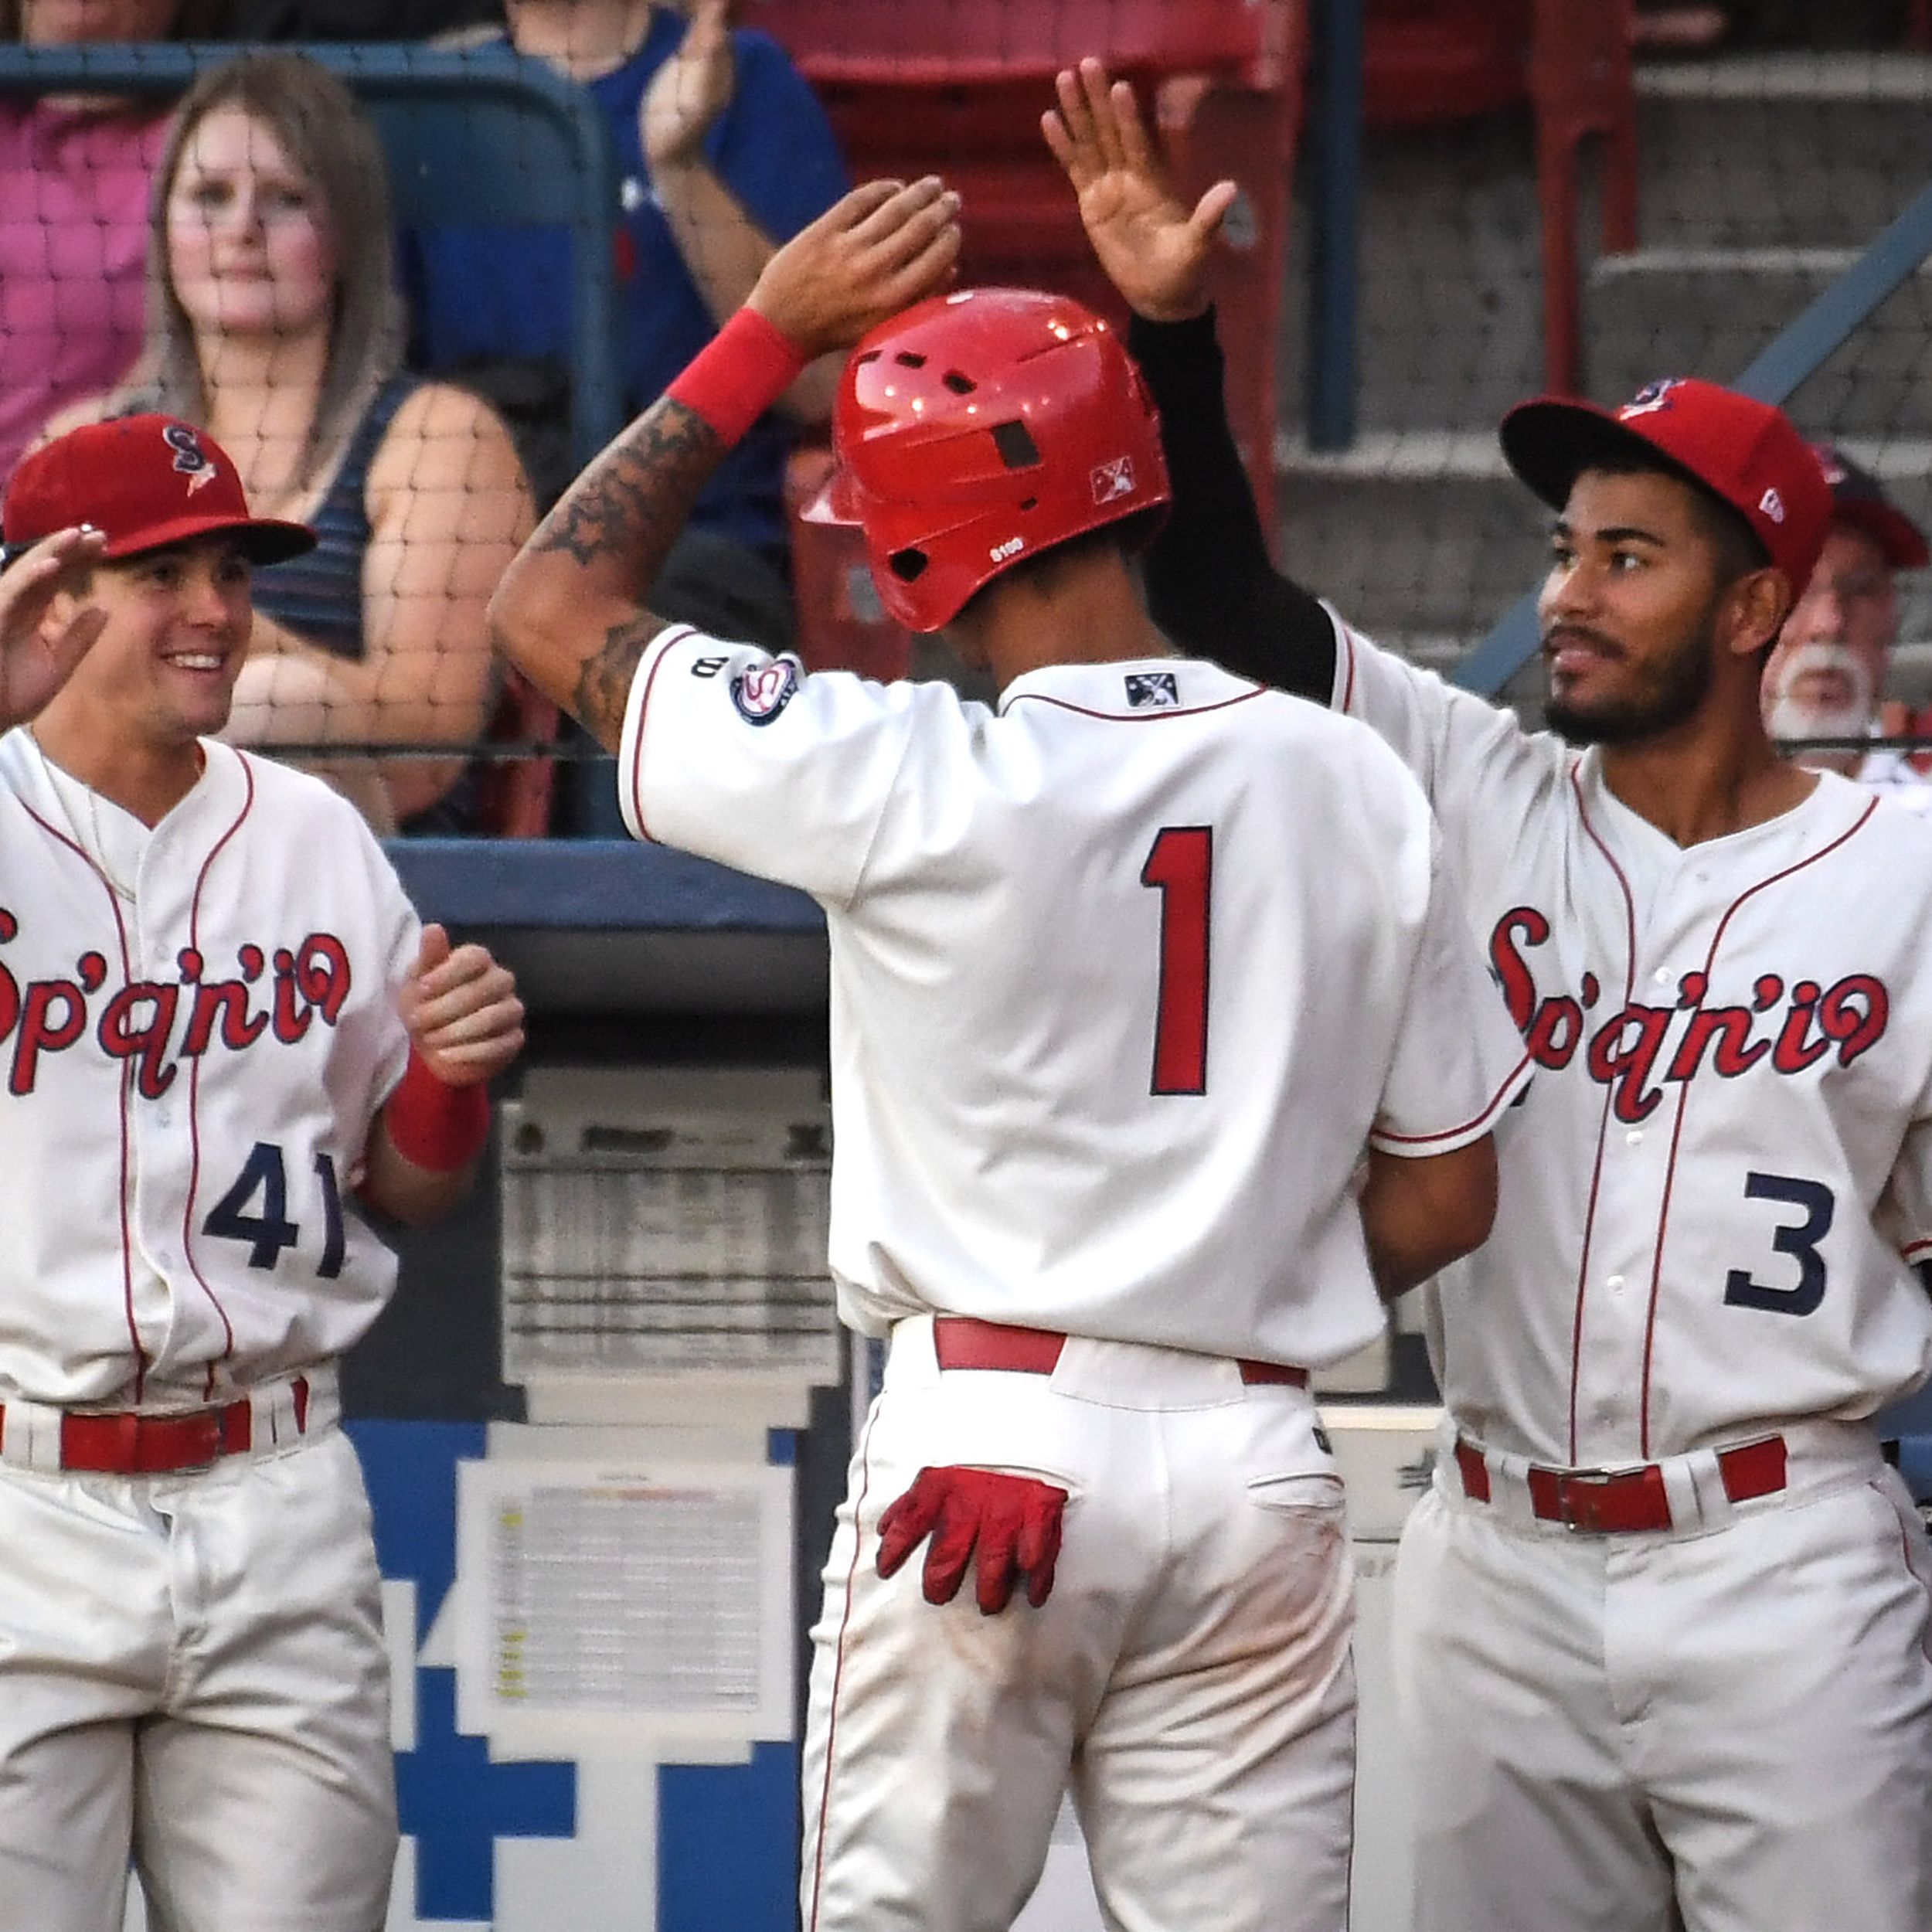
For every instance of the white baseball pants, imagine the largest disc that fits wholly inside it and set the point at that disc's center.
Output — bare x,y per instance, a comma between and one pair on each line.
1733,1721
192,1671
1191,1676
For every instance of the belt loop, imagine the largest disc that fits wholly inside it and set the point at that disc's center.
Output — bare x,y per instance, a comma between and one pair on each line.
280,1412
1696,1494
30,1435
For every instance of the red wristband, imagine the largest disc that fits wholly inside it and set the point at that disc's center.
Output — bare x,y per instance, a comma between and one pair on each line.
739,374
434,1125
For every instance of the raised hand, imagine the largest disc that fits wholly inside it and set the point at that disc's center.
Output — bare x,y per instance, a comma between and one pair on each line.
462,1010
1154,250
881,248
690,90
35,661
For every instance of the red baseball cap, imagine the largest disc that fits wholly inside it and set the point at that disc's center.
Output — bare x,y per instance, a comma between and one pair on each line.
144,481
1747,453
1859,500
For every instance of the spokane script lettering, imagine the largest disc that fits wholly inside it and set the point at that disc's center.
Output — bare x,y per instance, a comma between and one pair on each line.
1638,1050
135,1021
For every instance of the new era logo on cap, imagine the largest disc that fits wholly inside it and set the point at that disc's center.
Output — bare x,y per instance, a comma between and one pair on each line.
146,482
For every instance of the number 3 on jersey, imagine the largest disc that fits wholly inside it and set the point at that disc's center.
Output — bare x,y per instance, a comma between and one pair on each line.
1798,1239
233,1217
1180,866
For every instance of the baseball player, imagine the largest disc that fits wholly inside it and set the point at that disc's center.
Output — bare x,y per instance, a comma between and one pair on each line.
1661,1623
222,1034
1827,676
1129,972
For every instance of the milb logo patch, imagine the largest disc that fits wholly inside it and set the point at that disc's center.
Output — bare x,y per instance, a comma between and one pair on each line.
1151,690
1113,480
762,693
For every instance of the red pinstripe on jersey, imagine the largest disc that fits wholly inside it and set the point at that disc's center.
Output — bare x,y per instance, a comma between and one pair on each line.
675,635
1603,1124
127,1080
1469,1128
1683,1101
838,1671
1347,639
194,1076
1149,716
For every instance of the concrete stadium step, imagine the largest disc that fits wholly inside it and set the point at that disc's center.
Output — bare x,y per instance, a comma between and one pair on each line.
1708,311
1448,295
1419,535
1790,149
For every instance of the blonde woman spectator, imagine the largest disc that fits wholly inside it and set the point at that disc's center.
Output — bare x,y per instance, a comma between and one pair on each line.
275,323
74,176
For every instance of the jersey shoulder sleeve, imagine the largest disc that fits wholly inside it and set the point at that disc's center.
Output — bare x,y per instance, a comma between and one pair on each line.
1458,1060
747,759
1481,769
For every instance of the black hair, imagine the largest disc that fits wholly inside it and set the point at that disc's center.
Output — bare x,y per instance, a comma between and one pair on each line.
1739,549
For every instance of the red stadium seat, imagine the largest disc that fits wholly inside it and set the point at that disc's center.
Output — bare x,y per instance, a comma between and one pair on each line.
956,87
966,42
1582,84
1425,62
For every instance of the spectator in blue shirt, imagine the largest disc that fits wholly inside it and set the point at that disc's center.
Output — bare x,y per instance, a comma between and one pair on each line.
723,154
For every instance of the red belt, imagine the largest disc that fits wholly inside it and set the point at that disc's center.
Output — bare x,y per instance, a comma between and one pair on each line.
961,1342
1605,1501
129,1444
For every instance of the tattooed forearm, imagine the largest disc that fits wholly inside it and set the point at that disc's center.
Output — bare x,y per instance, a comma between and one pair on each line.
619,519
603,684
570,613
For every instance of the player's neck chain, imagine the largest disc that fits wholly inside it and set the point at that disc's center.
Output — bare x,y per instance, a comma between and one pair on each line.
107,873
97,845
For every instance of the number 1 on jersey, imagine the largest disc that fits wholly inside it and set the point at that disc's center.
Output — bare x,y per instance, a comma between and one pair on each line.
1180,866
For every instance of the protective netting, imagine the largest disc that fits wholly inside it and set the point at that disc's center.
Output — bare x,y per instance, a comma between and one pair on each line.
1763,174
412,300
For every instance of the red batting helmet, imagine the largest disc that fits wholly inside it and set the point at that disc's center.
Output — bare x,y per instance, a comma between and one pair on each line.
979,428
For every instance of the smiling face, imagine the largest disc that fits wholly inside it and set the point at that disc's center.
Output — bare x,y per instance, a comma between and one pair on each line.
1826,676
250,248
163,672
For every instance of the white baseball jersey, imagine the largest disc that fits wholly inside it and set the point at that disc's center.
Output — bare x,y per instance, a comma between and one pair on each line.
1064,935
198,1024
1732,1103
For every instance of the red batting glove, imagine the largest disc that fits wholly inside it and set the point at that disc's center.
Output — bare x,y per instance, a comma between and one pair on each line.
1013,1521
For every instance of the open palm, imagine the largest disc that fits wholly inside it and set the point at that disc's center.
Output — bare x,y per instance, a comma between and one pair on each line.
36,660
1155,249
692,89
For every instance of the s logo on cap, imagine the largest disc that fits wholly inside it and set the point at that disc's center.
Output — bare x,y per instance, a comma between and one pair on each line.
190,458
1651,397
